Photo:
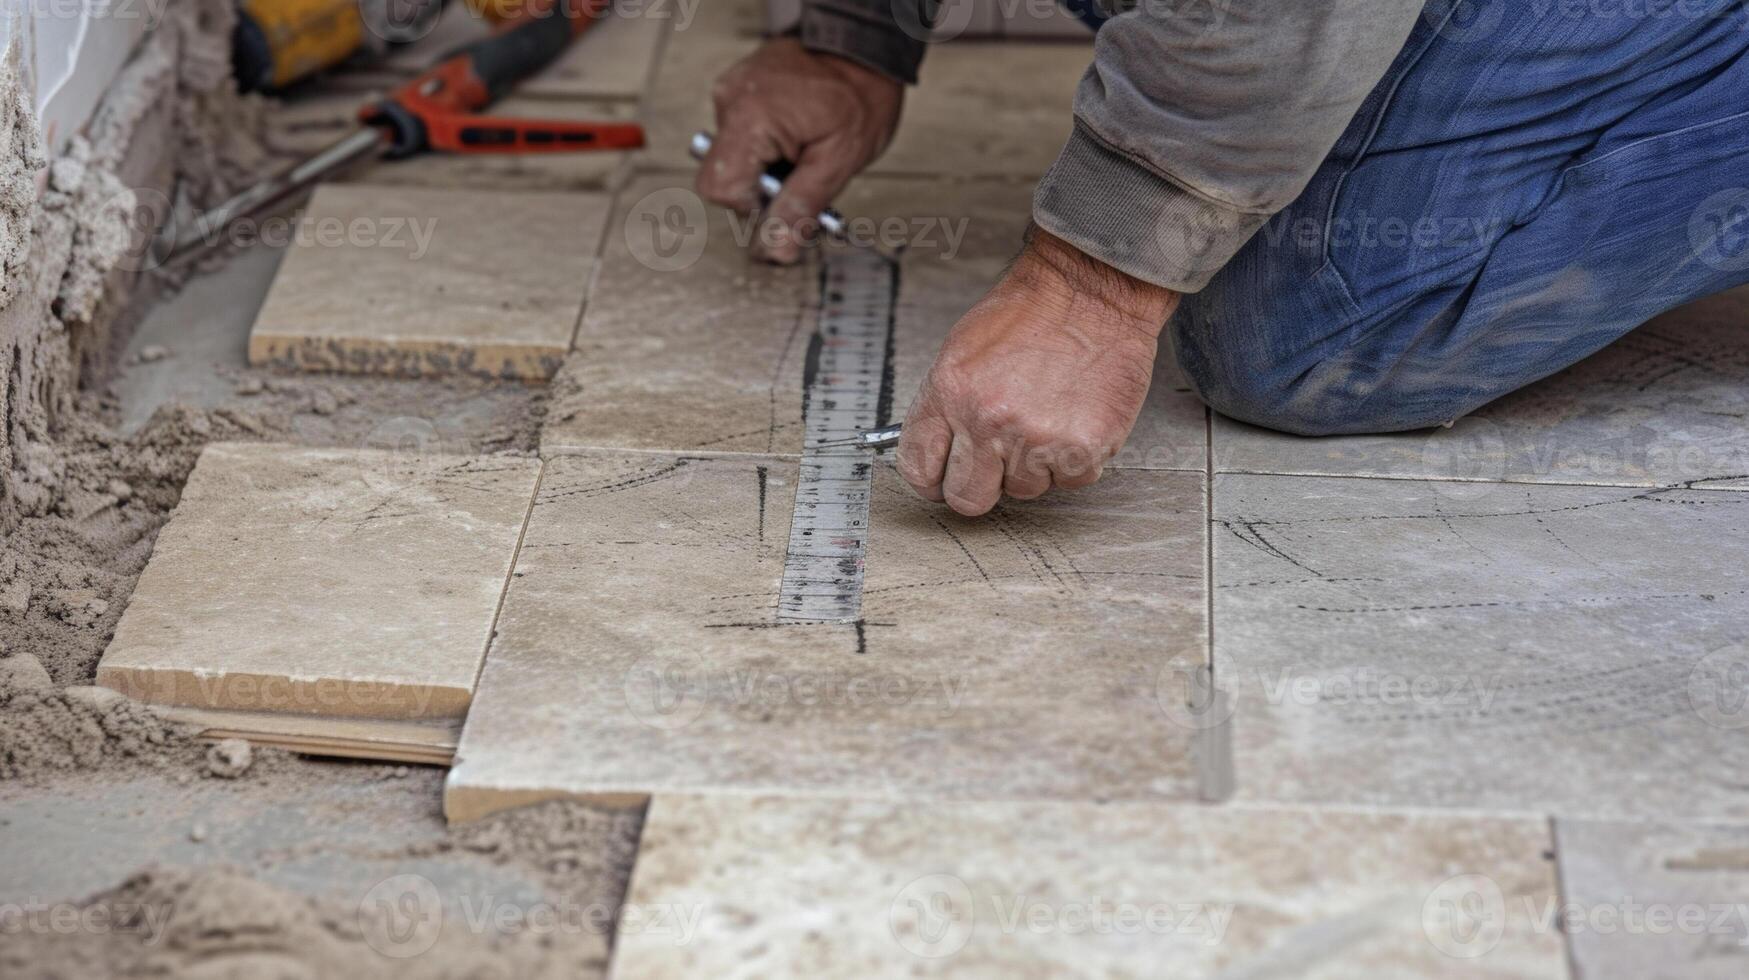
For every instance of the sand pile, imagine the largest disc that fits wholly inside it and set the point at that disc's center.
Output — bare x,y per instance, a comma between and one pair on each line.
220,922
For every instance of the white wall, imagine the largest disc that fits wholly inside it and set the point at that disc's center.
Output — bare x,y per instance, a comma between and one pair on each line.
72,50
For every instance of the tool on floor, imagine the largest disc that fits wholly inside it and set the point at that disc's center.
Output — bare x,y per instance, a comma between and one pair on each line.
437,112
771,183
881,438
822,570
279,42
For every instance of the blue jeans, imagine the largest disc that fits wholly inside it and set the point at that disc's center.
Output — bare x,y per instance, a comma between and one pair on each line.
1520,190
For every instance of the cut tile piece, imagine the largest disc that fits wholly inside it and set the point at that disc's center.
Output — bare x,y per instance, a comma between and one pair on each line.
306,123
979,110
425,282
639,652
1656,899
851,888
325,584
1660,407
1501,646
707,354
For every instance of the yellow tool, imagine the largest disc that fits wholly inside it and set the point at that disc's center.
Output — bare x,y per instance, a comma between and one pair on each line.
278,42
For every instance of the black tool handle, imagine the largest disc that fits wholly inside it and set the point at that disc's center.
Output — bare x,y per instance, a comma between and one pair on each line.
503,60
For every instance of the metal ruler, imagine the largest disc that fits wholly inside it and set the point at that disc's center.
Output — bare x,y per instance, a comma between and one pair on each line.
846,389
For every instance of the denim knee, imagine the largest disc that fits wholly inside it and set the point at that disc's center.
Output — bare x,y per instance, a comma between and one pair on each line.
1304,393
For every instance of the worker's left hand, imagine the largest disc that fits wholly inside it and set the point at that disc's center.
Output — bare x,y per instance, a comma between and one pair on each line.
1038,385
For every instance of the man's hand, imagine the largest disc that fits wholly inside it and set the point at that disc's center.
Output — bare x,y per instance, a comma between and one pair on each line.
1038,385
828,115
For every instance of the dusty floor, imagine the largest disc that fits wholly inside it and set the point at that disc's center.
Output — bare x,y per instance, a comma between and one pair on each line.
170,856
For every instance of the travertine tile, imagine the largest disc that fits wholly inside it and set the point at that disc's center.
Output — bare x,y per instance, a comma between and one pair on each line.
306,123
1660,407
759,887
980,109
324,582
639,650
1503,646
388,280
689,345
1656,900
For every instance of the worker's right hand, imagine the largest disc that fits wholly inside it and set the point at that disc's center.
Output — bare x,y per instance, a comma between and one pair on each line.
828,115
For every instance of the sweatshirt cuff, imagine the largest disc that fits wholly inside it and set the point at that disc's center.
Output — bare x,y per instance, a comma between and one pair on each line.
1125,214
864,34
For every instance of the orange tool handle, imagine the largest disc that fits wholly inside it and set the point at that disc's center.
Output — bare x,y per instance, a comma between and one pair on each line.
436,111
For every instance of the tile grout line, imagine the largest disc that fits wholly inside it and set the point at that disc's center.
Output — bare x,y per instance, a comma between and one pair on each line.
540,477
1400,478
1561,896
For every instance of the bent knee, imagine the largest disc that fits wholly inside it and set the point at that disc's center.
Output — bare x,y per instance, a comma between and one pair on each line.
1307,395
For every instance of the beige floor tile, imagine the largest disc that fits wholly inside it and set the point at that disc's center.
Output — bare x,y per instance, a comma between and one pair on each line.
768,887
324,582
1576,650
391,280
689,345
980,108
307,123
1663,406
639,652
1656,899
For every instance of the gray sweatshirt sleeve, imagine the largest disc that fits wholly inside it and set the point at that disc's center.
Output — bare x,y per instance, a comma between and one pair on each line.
886,35
1198,121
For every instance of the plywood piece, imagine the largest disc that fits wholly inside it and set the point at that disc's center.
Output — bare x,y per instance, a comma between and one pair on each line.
856,888
1660,407
324,583
688,344
428,743
980,109
1657,899
417,282
1574,650
1013,656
